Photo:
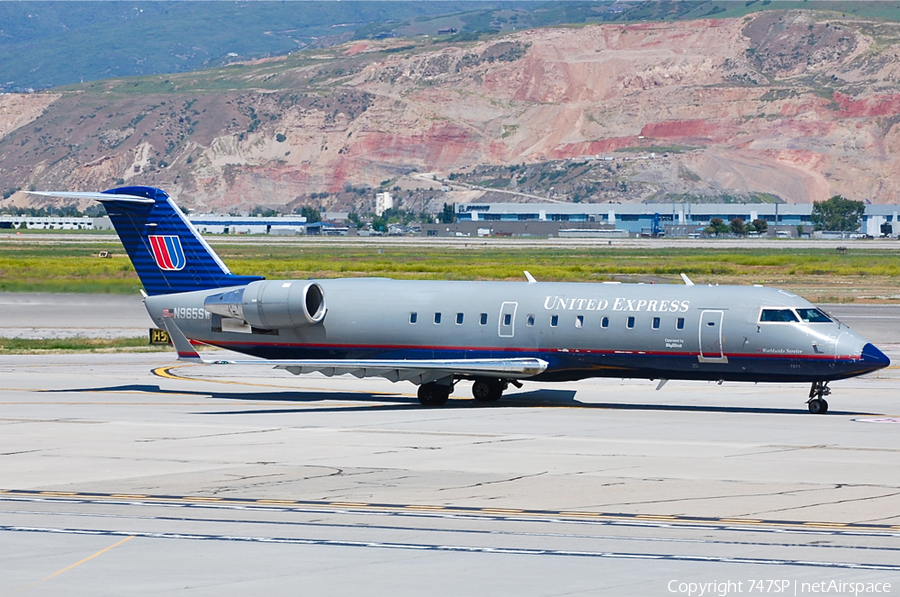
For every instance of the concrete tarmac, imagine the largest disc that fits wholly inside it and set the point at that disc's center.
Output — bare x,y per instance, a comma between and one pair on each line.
133,474
43,315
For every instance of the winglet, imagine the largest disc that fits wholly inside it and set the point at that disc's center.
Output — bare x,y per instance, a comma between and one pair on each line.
687,280
183,346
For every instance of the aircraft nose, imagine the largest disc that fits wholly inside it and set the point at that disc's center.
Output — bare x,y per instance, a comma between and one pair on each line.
870,354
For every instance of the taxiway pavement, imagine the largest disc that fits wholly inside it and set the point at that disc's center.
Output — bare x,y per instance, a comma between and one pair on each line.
52,316
129,474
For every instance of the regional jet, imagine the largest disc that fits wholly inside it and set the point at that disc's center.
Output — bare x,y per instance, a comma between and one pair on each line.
436,333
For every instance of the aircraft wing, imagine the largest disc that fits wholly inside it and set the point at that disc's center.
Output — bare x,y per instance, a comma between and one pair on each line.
418,370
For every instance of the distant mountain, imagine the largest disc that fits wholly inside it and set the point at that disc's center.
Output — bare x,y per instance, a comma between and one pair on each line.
790,106
47,44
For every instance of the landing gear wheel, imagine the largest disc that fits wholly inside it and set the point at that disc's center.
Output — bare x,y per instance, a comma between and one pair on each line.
818,391
431,394
488,390
818,406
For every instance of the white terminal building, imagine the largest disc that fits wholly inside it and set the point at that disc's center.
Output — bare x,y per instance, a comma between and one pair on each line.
207,224
672,219
219,224
51,223
204,223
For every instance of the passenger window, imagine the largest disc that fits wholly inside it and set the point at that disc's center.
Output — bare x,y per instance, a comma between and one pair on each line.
437,318
679,323
554,320
630,323
529,319
656,323
459,318
413,317
777,315
604,323
507,319
579,321
483,319
813,316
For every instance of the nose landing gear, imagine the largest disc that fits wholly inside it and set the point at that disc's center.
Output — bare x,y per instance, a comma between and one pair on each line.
816,403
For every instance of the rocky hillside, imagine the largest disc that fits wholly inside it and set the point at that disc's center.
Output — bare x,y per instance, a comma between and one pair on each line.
785,106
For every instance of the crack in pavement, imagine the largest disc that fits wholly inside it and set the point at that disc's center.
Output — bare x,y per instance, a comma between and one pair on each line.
252,431
834,502
483,483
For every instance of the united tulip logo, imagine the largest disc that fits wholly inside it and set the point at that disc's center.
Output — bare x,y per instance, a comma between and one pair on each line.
167,253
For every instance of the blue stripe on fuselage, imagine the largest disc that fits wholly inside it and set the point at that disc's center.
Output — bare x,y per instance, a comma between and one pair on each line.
571,366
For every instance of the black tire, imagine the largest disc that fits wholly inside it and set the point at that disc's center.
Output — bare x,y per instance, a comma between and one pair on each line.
487,390
818,406
431,394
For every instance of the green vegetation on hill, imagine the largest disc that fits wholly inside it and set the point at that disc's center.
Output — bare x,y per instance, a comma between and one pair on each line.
45,44
49,44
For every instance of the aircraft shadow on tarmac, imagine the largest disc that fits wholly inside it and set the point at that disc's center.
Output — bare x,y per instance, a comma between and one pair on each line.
566,398
540,398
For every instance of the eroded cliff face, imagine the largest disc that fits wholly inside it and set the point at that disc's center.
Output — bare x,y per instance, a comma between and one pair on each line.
797,105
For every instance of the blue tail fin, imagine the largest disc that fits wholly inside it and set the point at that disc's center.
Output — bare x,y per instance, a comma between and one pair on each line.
166,250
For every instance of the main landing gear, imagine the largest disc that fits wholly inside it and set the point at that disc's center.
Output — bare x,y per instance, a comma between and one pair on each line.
433,394
818,391
483,390
488,390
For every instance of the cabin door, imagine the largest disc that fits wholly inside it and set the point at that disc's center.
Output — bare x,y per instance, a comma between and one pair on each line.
507,325
711,349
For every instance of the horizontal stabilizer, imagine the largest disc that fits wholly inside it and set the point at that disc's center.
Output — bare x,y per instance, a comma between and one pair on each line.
93,196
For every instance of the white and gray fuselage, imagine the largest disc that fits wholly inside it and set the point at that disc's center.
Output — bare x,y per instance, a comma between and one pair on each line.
736,333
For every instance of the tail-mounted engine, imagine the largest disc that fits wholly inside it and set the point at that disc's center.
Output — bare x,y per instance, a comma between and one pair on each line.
271,304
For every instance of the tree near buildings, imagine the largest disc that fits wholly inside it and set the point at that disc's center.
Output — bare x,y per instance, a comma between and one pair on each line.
448,214
311,214
737,227
760,225
838,214
716,227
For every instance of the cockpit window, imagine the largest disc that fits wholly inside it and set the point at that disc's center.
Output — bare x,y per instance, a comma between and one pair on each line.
777,315
813,316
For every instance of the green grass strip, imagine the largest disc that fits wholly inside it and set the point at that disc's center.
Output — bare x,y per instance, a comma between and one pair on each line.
27,346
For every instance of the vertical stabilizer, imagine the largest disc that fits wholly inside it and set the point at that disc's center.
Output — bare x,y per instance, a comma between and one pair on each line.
165,248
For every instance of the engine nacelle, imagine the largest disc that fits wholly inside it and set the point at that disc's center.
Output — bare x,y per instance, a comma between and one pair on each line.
271,304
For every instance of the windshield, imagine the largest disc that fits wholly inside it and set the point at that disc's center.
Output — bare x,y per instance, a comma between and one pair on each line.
813,316
777,315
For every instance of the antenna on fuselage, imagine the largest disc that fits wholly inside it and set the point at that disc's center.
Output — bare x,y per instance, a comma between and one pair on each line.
687,280
529,277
